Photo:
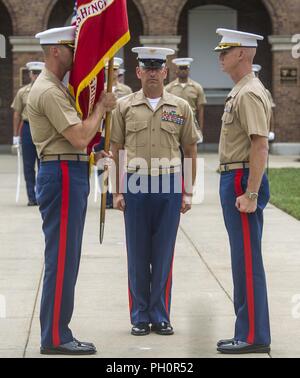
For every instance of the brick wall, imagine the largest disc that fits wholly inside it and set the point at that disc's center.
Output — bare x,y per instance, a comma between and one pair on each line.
159,17
5,79
136,29
19,61
287,99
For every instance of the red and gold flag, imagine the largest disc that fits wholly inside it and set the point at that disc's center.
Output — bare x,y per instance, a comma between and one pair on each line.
102,30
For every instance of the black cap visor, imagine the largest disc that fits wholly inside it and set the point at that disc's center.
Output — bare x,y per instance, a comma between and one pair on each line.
154,64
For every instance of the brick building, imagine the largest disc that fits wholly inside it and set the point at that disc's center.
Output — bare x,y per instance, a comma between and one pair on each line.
188,26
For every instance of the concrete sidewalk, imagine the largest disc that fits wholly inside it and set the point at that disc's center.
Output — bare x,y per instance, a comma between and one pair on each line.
202,309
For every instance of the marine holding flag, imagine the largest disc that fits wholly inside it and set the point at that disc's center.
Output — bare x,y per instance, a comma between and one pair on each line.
61,135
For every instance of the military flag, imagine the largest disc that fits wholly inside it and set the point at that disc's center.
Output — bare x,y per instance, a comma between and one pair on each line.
102,29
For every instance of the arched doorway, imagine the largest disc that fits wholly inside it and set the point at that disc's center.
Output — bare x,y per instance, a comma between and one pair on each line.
136,30
6,30
249,16
203,21
61,13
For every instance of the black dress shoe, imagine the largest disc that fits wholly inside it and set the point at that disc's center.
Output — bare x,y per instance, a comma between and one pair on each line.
162,328
224,341
240,347
140,329
71,348
84,343
32,203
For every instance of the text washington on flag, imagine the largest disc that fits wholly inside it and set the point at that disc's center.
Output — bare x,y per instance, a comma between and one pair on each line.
92,9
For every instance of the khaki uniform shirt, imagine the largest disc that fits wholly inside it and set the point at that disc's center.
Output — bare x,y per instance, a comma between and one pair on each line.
120,90
247,112
149,134
192,92
51,110
20,101
270,97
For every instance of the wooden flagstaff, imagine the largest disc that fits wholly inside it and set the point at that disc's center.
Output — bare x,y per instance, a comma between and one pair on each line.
104,187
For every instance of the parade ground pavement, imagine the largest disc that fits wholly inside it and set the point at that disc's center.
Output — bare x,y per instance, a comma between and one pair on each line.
202,295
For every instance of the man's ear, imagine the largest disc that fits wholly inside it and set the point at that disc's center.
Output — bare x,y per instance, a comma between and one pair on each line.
138,72
54,50
166,72
242,54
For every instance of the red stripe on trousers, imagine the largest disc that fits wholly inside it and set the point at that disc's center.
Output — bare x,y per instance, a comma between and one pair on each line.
168,286
61,252
130,299
248,259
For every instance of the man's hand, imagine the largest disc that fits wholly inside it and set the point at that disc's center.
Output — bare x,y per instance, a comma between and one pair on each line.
271,136
103,159
15,145
120,202
186,204
245,204
107,102
16,140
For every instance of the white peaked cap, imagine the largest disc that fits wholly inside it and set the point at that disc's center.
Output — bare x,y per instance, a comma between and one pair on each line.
117,63
57,36
235,38
155,53
35,66
183,61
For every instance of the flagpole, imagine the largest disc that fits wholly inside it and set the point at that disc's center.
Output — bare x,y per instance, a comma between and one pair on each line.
106,149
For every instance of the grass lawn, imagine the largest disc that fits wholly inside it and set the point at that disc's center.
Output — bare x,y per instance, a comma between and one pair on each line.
285,190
